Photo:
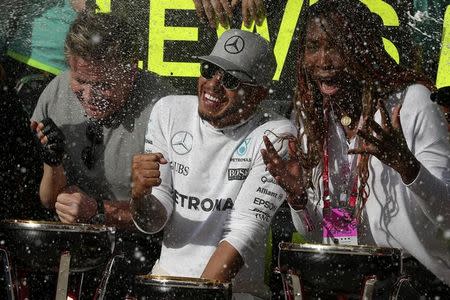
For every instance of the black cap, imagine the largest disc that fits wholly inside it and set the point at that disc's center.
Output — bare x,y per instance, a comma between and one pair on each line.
441,96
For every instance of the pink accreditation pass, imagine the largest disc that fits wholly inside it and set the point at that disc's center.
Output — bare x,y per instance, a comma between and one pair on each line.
339,227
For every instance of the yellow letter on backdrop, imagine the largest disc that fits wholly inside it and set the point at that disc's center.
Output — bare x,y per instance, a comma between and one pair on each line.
443,74
158,33
390,18
104,6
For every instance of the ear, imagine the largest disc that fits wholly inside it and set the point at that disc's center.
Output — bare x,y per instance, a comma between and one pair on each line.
71,61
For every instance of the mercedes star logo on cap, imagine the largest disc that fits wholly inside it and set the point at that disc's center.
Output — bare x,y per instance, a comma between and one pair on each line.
182,142
234,44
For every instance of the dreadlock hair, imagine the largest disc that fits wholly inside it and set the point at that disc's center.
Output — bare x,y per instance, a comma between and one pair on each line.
357,35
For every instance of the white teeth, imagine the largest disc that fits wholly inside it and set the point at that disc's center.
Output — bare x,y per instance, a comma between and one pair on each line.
211,98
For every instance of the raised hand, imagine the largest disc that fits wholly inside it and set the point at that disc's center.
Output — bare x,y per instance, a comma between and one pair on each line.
145,173
251,10
213,11
52,139
74,206
389,144
288,174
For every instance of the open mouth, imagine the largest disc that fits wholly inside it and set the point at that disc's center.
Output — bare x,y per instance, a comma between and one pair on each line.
95,108
211,102
328,86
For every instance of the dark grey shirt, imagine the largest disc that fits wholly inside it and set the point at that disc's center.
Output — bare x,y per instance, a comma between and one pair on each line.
123,135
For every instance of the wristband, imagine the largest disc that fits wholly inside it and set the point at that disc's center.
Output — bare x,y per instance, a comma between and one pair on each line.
99,217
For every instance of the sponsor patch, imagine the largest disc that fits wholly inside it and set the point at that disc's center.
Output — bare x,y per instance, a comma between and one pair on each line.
265,191
179,168
243,148
234,45
237,174
264,203
241,159
261,215
181,142
206,204
268,179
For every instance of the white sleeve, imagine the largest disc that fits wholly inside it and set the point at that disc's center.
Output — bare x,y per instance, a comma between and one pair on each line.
156,141
247,224
313,210
427,129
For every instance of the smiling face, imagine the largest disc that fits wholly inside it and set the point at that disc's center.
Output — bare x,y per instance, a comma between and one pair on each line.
325,64
225,107
101,88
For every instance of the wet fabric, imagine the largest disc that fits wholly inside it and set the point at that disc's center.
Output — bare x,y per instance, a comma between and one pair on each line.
123,136
411,217
214,188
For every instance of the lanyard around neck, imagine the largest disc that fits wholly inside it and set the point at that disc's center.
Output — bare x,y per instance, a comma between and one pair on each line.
343,197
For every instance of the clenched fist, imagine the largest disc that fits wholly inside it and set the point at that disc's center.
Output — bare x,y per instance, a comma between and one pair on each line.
74,206
145,173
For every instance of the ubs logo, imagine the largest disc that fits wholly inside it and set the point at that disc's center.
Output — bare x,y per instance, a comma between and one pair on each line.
182,142
242,149
179,168
234,45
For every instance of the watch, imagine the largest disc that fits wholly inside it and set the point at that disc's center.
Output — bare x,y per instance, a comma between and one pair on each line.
99,217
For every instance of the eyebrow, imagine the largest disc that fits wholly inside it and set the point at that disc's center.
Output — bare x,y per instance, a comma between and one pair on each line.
93,83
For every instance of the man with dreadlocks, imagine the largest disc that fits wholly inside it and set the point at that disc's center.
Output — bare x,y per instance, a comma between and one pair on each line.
371,145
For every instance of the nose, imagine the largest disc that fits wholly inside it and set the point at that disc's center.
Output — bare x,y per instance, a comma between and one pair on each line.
324,60
216,81
87,93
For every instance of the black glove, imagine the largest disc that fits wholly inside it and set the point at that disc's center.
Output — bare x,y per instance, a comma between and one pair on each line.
53,150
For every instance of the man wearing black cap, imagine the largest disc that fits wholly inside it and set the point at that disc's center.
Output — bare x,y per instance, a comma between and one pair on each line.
442,98
203,179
